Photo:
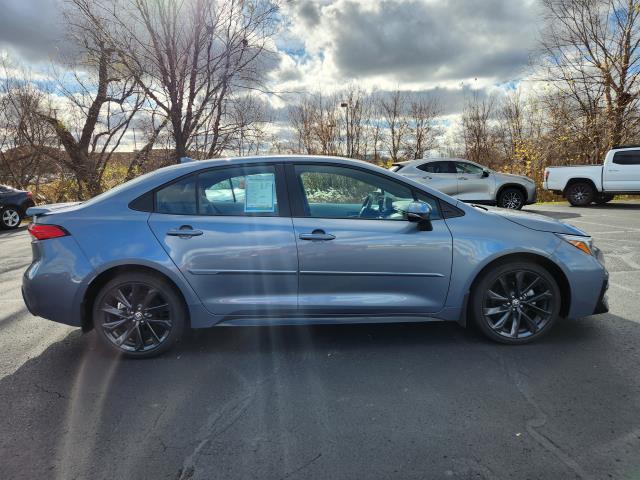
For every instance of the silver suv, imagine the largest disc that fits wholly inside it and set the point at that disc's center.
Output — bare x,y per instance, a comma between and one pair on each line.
470,182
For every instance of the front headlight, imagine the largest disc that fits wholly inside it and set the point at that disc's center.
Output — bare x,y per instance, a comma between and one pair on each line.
581,243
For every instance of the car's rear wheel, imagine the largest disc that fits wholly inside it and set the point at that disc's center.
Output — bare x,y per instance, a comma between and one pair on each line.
512,198
139,315
516,303
10,218
580,194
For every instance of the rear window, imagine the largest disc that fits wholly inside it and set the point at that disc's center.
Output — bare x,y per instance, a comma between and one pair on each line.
631,157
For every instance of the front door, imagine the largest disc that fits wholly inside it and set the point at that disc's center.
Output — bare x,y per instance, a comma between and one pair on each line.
473,184
357,251
622,174
228,232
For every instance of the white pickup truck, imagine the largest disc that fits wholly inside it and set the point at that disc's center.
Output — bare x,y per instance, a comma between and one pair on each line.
586,184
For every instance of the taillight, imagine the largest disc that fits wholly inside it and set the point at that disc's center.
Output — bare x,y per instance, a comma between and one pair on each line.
29,195
546,175
45,232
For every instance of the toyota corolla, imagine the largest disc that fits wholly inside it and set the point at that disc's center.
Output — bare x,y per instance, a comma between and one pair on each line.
300,240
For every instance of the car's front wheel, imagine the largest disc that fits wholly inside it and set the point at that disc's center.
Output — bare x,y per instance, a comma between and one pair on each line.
139,315
516,303
512,198
10,218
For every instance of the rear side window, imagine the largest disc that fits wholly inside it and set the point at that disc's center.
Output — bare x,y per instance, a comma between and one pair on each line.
235,191
178,198
438,167
631,157
238,191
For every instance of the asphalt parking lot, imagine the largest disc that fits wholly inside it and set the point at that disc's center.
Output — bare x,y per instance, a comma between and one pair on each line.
423,401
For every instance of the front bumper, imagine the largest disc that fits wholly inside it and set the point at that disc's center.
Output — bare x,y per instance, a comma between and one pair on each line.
532,195
603,302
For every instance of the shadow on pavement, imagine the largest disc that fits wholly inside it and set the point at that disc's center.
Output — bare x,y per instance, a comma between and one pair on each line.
21,228
617,206
361,401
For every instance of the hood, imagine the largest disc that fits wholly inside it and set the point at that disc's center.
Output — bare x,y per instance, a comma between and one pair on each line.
513,176
535,221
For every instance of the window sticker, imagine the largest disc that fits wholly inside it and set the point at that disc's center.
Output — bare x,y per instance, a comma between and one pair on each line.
260,193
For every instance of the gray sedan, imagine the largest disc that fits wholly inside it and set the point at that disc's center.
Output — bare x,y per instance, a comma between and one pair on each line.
300,240
470,182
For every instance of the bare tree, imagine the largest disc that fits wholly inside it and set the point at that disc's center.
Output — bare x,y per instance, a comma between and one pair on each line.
25,143
477,132
590,49
393,110
191,57
301,117
357,106
99,102
421,127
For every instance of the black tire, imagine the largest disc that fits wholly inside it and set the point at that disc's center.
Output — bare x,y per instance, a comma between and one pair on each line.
580,194
10,217
532,309
139,315
602,199
512,198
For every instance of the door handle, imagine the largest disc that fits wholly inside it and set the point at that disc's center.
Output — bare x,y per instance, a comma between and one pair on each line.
317,235
614,170
426,177
185,231
463,178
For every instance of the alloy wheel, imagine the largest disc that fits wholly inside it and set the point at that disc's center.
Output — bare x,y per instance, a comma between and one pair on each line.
512,200
580,193
10,217
518,304
136,317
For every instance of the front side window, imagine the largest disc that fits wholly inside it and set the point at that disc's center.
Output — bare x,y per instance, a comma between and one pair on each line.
438,167
631,157
342,192
469,168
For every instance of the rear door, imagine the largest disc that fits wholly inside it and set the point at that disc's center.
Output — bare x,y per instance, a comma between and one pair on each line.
441,175
472,183
230,233
358,253
622,174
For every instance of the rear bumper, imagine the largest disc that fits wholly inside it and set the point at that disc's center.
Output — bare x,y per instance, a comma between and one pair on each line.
52,285
26,205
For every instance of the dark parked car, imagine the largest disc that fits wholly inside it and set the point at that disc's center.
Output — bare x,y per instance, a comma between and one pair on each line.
13,206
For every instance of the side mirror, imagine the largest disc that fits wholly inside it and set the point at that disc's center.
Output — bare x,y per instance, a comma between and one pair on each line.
420,212
485,173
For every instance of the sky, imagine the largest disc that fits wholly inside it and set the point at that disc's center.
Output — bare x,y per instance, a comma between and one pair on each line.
446,47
